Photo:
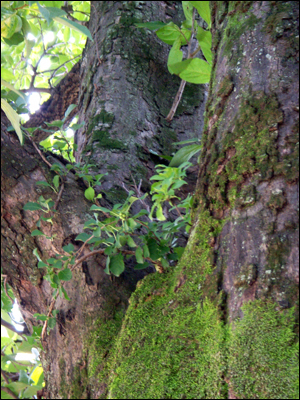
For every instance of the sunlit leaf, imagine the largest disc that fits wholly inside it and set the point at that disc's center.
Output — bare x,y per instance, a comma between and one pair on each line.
74,25
13,117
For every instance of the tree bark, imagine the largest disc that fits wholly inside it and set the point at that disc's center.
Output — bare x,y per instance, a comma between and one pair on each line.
223,324
124,96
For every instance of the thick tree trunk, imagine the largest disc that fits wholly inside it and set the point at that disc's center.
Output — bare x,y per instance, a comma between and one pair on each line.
126,92
222,325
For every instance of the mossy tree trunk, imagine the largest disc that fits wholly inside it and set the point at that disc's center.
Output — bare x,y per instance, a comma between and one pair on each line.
222,324
125,91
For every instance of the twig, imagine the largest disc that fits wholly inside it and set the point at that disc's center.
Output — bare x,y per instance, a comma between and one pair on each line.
10,392
183,83
59,195
39,151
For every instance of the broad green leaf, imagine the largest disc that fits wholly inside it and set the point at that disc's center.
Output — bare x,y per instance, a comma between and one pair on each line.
51,322
55,12
169,33
141,266
146,251
159,213
117,265
36,232
184,154
15,39
65,275
42,183
41,264
32,206
13,117
9,86
203,10
6,74
198,71
153,249
89,193
175,55
69,248
10,25
74,25
139,255
204,39
96,208
70,109
187,9
40,317
130,242
83,236
56,181
153,26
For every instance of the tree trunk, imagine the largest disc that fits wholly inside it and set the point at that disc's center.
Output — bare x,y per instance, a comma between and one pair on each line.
220,324
125,93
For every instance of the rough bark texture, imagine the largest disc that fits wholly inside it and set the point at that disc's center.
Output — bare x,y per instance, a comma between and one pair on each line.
125,94
222,325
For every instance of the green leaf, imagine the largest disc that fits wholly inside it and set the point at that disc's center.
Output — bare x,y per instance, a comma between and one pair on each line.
184,154
32,206
6,74
90,193
13,117
89,222
36,232
65,274
70,109
65,294
69,248
117,265
139,255
51,322
146,251
83,236
130,242
204,39
153,25
193,70
35,252
40,317
96,208
41,264
106,270
203,10
74,25
56,181
42,183
159,213
175,55
187,9
109,250
153,249
169,33
141,266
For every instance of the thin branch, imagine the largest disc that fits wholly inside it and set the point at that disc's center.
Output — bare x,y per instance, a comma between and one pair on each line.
62,186
8,391
183,83
39,151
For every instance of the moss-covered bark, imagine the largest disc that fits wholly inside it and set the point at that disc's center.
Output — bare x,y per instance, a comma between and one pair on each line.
223,324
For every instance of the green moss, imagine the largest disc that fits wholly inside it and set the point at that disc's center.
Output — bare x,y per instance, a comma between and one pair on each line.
99,344
172,339
263,360
104,140
250,149
116,195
